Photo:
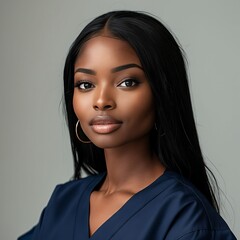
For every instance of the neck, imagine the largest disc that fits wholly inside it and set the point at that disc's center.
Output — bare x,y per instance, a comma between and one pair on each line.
131,167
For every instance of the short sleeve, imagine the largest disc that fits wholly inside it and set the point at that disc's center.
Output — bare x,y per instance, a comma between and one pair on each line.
208,234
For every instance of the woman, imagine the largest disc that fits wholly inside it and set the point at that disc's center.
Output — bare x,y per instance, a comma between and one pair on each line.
132,130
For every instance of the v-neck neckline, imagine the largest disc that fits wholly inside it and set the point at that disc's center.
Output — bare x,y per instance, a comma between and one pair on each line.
133,205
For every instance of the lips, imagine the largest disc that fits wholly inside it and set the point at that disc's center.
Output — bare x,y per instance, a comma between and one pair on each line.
105,124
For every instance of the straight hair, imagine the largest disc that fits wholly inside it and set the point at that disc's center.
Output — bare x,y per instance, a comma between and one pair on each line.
175,140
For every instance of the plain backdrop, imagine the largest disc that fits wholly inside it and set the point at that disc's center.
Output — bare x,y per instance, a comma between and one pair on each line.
34,146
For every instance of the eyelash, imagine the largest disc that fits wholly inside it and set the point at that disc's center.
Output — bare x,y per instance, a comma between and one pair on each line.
79,83
91,85
133,80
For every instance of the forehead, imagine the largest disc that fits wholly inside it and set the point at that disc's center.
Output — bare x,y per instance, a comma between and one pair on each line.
106,50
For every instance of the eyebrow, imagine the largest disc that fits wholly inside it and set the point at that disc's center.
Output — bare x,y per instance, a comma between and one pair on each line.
85,70
126,66
113,70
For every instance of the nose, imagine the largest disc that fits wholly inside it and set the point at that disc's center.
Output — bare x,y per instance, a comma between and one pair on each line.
104,99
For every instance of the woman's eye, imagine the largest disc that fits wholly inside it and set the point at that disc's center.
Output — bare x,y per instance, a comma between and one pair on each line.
128,83
84,85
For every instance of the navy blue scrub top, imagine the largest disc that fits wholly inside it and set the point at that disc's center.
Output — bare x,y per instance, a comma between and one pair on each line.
168,209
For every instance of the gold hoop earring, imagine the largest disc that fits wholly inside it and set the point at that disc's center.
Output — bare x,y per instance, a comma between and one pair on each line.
76,131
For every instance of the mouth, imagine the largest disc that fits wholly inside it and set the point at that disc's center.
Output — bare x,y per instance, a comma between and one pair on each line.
105,124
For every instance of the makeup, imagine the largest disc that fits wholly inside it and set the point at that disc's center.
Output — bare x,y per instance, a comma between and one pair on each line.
105,124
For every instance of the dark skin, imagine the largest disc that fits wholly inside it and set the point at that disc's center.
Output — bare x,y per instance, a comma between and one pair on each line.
114,103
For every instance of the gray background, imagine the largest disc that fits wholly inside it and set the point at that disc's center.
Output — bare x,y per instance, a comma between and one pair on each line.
34,145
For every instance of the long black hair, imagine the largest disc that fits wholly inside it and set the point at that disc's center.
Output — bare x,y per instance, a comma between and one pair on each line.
175,141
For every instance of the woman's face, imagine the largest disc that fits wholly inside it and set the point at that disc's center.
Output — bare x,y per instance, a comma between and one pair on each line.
112,97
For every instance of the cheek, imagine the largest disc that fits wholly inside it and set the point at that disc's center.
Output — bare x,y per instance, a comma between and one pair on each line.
80,106
146,114
140,110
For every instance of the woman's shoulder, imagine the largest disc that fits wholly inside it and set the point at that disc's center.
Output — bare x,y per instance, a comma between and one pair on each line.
77,186
185,195
188,208
180,188
64,197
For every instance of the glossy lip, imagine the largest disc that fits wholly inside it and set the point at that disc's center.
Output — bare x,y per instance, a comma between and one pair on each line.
105,124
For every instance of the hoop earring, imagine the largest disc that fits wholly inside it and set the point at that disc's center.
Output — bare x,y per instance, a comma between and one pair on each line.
76,131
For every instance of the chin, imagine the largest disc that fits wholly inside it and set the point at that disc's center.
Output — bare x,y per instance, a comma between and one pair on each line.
106,144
